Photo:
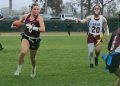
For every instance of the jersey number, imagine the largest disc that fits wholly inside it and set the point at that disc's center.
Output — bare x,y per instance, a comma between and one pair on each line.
29,27
95,29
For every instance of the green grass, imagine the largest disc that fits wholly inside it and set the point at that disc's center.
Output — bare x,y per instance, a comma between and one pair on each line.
61,61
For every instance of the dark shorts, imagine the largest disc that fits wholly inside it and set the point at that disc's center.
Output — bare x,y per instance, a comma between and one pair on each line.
112,62
34,43
93,38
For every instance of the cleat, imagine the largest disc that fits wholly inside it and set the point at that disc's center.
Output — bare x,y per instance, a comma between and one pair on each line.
33,72
17,72
1,48
91,65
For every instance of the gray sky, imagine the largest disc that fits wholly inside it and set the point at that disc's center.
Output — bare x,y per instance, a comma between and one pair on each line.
17,4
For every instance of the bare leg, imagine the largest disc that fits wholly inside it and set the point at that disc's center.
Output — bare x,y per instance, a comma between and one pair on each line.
24,48
32,57
33,61
117,73
97,53
69,31
117,83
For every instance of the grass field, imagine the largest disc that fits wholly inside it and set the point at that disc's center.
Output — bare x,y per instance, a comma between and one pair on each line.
61,61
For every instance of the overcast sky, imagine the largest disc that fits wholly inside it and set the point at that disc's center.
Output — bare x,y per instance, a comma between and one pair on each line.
17,4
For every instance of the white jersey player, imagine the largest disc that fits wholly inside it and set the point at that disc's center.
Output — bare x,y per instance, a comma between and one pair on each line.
96,24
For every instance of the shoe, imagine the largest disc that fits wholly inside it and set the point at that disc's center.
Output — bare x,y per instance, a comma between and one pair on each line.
17,72
33,72
1,48
96,61
91,66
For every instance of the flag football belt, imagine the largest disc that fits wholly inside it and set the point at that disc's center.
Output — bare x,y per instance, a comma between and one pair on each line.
32,37
94,35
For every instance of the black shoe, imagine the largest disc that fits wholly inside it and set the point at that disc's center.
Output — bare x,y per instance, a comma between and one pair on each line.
91,65
96,61
1,48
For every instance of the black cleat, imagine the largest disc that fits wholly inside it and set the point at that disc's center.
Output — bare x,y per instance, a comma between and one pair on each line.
91,65
96,61
1,48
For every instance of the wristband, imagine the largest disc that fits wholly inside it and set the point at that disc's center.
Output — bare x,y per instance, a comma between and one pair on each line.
35,28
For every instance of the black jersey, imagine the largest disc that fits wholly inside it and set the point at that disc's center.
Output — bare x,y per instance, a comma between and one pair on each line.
114,44
34,23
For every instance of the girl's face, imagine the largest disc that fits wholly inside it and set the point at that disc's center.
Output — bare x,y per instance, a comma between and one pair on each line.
35,10
96,10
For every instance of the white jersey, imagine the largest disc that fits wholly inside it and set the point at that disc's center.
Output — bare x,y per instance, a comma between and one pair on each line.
114,43
95,26
117,49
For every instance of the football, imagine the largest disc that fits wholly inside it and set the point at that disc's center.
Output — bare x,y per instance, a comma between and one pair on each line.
17,23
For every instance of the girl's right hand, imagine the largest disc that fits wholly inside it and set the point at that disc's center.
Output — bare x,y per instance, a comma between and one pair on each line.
13,26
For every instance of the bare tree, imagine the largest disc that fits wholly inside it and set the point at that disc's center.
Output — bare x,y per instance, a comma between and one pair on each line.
111,9
35,1
55,5
88,4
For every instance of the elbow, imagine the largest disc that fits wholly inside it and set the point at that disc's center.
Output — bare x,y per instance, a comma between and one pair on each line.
42,30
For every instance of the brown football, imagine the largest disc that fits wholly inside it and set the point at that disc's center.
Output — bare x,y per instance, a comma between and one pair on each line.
17,23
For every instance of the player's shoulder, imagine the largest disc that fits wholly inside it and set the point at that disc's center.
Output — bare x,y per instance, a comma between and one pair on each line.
103,18
118,30
90,17
39,17
25,15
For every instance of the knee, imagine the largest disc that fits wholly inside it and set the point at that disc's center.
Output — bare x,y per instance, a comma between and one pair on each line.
91,53
97,52
97,49
23,53
33,59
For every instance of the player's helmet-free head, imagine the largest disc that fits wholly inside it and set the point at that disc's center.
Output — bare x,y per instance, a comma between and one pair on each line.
97,9
98,4
34,4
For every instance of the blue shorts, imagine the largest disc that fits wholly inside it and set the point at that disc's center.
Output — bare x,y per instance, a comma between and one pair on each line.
112,61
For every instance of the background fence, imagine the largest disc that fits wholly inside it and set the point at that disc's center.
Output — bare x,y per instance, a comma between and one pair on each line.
59,26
